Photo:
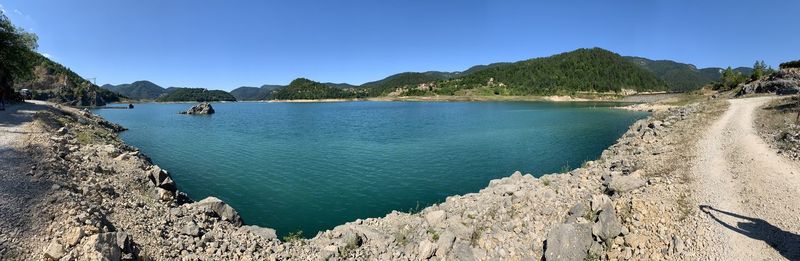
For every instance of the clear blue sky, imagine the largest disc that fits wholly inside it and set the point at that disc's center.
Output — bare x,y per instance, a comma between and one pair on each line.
225,44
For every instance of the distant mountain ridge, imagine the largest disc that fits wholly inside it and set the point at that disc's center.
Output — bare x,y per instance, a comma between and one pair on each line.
682,77
581,70
247,93
138,90
594,69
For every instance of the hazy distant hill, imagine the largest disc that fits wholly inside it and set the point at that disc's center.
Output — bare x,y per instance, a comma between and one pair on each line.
194,94
682,77
340,85
139,90
246,93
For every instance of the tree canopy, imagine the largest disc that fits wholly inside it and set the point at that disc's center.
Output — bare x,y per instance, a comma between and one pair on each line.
790,64
16,53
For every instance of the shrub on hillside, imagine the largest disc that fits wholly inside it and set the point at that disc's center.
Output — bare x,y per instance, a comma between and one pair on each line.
790,64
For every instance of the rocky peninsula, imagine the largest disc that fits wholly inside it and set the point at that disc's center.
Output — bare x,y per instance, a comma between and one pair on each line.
86,196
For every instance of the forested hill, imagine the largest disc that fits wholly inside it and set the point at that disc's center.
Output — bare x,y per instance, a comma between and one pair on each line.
593,69
52,81
139,90
389,84
682,77
195,94
303,88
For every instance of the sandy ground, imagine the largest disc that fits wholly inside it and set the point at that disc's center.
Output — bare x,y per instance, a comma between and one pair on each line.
750,195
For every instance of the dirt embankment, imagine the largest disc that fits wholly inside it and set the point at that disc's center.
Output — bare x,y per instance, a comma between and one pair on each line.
105,199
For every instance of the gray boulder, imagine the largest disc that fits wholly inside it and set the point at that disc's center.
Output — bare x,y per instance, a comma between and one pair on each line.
54,251
109,246
202,108
607,226
568,242
426,249
215,206
445,243
191,229
266,233
435,217
578,211
160,178
463,252
623,183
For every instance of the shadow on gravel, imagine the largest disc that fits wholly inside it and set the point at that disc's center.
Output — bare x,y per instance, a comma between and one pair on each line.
786,243
19,113
22,200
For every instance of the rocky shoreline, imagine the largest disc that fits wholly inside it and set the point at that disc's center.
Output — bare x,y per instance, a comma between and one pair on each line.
107,200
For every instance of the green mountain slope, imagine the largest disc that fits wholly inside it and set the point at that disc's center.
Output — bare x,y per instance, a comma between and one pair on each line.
139,90
389,84
682,77
580,70
194,94
57,83
302,88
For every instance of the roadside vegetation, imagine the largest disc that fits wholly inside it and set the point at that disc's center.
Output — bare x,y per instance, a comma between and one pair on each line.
778,124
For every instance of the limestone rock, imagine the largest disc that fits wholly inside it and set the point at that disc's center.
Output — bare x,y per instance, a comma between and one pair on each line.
625,183
266,233
435,217
463,252
578,211
445,243
162,194
426,249
568,242
54,251
73,236
607,226
191,229
215,206
108,246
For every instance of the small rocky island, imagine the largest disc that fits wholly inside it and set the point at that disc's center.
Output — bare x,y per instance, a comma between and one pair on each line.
202,108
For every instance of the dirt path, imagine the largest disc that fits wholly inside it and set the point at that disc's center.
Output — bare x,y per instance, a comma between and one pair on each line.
20,193
749,196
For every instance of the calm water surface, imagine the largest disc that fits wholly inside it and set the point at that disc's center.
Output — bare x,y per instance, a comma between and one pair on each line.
312,166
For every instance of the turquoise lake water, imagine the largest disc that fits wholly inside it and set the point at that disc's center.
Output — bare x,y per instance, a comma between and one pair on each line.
312,166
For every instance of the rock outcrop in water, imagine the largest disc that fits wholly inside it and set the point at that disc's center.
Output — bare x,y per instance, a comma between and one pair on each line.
202,108
109,201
